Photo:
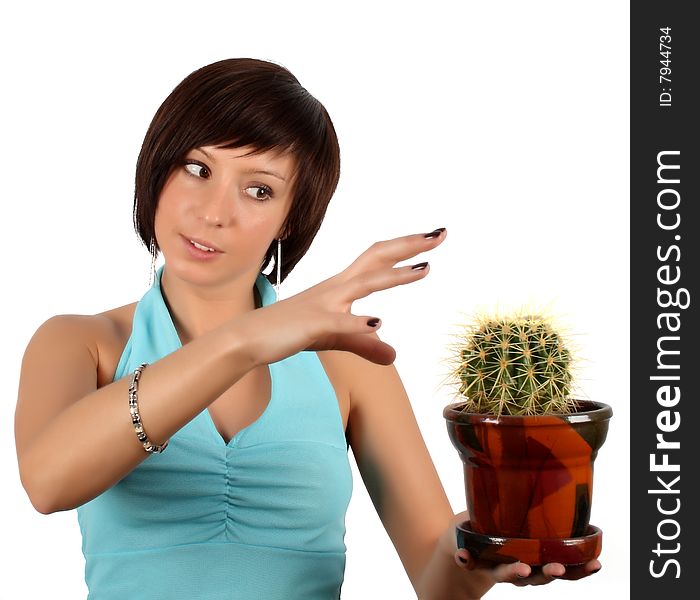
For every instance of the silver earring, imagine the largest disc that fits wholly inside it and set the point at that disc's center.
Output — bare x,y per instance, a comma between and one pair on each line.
152,272
278,262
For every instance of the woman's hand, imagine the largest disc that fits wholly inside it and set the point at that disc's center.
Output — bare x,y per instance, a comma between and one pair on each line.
521,574
319,318
447,576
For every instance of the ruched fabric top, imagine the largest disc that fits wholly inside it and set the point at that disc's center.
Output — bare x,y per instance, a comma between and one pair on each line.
262,517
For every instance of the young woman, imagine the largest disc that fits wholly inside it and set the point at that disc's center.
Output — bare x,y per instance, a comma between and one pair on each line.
202,432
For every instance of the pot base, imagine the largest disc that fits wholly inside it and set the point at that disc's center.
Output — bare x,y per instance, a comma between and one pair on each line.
534,552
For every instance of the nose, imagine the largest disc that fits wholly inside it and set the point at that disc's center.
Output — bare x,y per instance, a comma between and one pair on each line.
216,207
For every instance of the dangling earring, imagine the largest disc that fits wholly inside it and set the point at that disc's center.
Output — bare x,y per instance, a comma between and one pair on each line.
152,272
278,262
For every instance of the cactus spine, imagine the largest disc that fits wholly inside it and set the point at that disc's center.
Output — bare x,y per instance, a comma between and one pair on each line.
516,365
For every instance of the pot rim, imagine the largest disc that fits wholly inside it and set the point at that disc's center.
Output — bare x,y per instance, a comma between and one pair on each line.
593,412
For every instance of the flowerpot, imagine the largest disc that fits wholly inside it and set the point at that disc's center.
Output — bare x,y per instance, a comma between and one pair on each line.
530,478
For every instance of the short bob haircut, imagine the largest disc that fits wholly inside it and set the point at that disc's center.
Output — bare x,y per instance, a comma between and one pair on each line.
244,102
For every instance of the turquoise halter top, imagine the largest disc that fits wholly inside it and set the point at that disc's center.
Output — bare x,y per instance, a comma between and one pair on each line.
262,517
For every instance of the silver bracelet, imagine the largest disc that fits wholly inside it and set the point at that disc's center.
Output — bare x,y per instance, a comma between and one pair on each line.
136,418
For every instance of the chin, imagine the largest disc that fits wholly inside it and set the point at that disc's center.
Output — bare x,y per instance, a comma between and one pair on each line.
207,273
190,271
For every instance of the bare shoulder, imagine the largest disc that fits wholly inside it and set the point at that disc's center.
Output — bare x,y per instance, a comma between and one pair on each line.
64,360
115,320
345,365
350,371
335,363
104,334
111,330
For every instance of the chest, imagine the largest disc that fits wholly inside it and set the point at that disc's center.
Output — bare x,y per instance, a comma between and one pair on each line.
246,401
241,404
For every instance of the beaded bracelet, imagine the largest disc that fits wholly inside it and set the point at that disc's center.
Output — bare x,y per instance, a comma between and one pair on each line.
136,418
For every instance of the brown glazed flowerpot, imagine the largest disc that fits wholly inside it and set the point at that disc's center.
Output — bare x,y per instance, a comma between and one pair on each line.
529,476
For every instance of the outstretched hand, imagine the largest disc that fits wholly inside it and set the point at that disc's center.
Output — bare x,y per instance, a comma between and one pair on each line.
521,574
320,317
477,577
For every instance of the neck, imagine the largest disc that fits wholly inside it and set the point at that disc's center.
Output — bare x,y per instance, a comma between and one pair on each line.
198,309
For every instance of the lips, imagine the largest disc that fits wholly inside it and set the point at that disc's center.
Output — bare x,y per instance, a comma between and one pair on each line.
202,242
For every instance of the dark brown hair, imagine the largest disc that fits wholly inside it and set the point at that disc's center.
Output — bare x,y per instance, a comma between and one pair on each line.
244,102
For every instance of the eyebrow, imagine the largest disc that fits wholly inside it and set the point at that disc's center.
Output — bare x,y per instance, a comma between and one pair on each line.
247,171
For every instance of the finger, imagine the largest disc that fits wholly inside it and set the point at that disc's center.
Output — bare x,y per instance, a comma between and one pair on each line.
389,252
364,284
464,559
535,575
460,517
347,323
592,566
553,571
580,571
516,573
499,572
547,574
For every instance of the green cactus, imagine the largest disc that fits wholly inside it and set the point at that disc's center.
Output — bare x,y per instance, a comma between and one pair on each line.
517,364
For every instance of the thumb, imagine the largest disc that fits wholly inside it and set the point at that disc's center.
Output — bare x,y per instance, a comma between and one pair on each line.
460,518
367,346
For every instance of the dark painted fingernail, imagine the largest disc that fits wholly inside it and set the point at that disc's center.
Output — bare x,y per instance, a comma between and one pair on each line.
463,560
373,322
435,233
521,576
419,266
595,570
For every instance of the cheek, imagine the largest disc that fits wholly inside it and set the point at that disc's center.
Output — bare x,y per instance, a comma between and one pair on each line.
168,204
161,215
165,217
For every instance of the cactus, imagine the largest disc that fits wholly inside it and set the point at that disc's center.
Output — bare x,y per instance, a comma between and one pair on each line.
516,365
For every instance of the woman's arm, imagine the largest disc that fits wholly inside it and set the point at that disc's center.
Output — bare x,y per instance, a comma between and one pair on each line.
406,490
394,463
75,441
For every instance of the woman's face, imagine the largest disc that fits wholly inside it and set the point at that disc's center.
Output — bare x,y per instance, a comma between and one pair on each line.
232,202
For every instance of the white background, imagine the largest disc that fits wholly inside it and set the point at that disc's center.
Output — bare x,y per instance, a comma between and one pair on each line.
506,122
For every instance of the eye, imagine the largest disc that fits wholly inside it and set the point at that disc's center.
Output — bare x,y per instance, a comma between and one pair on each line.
263,188
197,167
